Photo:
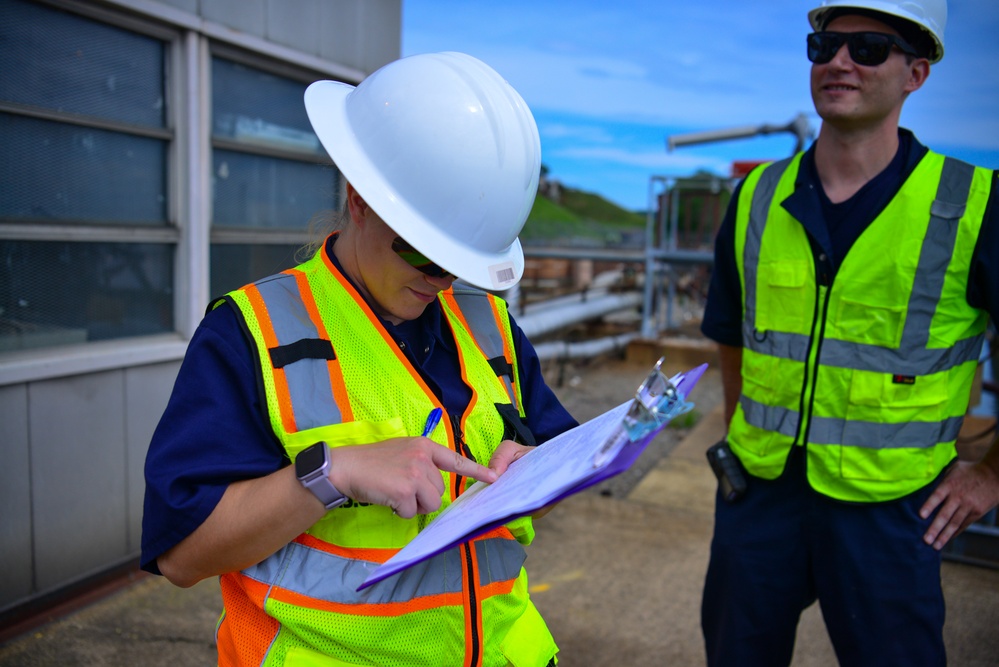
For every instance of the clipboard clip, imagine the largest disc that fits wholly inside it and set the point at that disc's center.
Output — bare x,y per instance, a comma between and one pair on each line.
656,402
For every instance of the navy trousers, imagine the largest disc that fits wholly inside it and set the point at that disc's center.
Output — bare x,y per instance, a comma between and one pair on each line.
783,546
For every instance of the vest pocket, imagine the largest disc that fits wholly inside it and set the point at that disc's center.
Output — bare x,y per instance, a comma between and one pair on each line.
782,295
887,465
869,324
881,398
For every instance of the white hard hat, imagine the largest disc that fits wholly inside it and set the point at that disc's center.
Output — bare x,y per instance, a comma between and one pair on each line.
445,151
928,15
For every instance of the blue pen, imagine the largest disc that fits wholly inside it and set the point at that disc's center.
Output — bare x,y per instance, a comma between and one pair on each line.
432,419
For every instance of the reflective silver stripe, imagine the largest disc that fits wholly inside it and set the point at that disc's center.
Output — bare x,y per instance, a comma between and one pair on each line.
851,433
309,384
770,418
919,361
478,312
878,435
759,212
331,578
776,343
937,250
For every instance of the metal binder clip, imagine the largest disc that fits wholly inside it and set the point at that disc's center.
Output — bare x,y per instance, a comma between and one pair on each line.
657,401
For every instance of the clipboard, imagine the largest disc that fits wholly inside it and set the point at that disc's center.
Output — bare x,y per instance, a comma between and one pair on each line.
596,450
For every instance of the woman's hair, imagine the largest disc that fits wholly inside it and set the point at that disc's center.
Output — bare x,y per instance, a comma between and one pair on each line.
321,226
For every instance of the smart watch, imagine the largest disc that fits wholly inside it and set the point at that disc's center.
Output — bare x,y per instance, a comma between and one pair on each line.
312,467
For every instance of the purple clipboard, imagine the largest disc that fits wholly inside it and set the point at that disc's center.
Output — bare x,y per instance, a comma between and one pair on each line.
622,460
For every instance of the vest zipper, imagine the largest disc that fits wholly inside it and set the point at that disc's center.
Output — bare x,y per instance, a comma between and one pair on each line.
473,605
811,374
462,448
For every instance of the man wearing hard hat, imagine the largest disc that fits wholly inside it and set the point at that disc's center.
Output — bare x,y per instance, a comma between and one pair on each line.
852,288
301,446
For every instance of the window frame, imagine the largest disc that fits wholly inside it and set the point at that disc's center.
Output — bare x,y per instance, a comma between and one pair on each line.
190,44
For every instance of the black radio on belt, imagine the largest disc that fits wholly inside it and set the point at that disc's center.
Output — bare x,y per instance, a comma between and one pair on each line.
728,470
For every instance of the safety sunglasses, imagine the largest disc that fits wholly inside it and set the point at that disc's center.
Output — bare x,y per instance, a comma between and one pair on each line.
412,256
866,48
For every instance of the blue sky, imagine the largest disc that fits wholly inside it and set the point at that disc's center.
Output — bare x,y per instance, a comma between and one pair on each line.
608,82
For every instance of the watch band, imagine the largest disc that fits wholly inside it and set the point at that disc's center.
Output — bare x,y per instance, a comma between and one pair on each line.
312,468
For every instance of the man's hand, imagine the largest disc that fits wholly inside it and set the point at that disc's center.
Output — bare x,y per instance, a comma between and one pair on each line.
401,473
967,492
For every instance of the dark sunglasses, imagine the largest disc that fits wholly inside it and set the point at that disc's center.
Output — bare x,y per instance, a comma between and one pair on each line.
866,48
412,256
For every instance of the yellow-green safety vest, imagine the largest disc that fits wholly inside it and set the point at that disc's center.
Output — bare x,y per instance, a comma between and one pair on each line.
331,372
871,373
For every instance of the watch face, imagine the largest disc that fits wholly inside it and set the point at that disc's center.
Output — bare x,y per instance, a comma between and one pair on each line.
310,459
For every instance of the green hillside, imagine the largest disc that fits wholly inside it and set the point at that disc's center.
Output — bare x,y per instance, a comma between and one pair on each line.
579,215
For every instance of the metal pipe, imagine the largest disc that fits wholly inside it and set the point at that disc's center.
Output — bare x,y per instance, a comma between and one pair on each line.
541,322
558,349
672,256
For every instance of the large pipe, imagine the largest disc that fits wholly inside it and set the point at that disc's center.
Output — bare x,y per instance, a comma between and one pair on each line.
558,349
538,323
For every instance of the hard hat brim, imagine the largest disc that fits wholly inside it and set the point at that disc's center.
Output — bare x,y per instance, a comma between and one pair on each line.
326,106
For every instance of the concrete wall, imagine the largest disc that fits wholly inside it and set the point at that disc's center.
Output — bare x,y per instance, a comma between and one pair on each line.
359,34
75,422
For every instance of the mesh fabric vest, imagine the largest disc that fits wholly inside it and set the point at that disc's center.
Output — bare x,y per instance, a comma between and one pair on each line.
331,372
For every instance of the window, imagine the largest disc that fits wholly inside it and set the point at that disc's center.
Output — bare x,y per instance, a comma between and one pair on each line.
86,241
270,174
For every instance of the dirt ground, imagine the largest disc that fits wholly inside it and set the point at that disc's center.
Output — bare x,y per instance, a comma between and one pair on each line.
616,570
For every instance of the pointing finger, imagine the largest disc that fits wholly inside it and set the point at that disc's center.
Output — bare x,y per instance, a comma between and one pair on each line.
450,461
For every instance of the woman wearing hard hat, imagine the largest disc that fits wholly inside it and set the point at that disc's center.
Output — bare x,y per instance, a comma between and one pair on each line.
301,445
850,322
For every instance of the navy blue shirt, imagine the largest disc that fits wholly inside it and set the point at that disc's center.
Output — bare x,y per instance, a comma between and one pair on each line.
214,430
832,230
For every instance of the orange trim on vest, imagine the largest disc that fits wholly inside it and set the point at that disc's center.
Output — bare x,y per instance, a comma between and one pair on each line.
370,555
458,483
379,555
337,384
271,341
385,609
243,598
377,324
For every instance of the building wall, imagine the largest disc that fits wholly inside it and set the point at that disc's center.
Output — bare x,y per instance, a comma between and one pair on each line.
76,418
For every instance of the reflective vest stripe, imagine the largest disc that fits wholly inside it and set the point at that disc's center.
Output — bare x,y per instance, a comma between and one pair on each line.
283,397
759,211
502,325
852,433
481,318
436,576
341,402
311,383
858,356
